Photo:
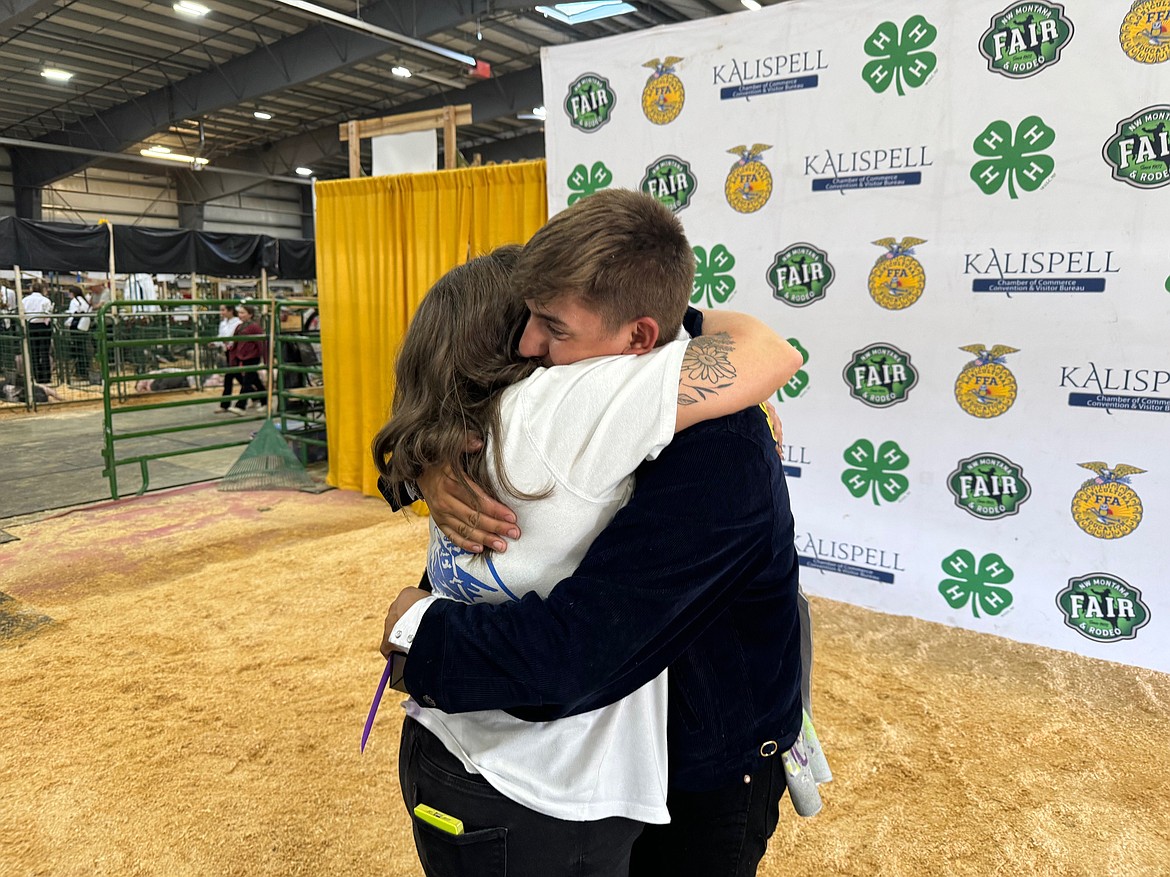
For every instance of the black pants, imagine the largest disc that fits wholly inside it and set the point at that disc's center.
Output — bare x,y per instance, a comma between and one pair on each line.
718,833
249,383
501,838
40,341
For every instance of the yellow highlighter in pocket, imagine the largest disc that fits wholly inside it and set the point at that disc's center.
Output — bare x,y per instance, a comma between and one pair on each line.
438,819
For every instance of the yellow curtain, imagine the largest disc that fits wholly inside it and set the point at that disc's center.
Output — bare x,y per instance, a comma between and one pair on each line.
381,243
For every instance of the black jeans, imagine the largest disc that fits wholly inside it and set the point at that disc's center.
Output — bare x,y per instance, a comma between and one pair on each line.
501,838
717,833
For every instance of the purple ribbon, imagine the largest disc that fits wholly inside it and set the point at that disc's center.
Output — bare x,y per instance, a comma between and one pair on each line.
377,700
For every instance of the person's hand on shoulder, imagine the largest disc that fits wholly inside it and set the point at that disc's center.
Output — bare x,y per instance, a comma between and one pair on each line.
470,519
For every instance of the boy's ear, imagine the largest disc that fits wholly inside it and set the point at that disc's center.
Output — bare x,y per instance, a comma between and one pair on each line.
643,335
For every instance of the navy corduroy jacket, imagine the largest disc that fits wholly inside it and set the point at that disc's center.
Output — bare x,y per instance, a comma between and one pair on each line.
697,572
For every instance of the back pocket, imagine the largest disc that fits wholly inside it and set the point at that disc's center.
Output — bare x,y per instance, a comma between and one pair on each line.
482,853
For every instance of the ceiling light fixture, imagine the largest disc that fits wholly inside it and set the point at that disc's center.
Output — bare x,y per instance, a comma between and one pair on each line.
155,152
577,13
537,113
262,116
56,75
305,171
161,150
400,71
188,7
750,4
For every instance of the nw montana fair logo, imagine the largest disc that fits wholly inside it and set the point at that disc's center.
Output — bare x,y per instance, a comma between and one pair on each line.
1026,38
1139,150
590,102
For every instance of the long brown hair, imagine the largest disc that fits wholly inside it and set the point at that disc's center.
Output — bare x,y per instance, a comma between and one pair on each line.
459,354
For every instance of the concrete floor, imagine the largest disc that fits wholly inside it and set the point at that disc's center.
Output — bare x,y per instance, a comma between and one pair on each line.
53,458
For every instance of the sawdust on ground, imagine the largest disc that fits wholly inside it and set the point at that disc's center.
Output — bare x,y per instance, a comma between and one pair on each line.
195,703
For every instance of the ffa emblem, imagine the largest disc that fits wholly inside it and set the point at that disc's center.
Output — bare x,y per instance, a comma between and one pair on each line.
1145,31
800,275
897,280
1106,506
749,182
988,486
590,102
880,375
1139,150
670,181
1102,607
663,95
1025,38
985,387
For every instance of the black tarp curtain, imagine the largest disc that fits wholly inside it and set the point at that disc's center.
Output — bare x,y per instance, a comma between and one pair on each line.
58,246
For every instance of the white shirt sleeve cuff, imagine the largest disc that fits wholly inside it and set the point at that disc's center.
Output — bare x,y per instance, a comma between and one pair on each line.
403,634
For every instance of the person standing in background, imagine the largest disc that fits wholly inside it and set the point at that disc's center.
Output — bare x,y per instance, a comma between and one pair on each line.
249,349
228,322
37,308
80,343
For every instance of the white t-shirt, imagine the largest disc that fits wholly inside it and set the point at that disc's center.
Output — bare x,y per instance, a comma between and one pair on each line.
580,429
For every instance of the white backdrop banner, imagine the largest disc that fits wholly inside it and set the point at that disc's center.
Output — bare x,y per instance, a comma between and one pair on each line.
960,213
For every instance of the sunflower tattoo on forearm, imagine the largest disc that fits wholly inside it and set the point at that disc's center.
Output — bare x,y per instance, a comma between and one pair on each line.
706,368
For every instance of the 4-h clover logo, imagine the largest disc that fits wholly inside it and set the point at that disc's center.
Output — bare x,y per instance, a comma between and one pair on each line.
713,280
1019,160
799,381
585,182
876,472
980,583
900,60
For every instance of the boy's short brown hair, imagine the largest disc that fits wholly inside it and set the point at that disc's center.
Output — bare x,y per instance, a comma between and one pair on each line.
623,254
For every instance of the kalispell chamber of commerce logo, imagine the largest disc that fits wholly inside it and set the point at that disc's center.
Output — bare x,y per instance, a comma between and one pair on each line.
1145,31
985,387
988,486
663,95
1013,272
800,275
979,583
848,558
1017,160
798,383
590,102
866,168
671,181
880,375
749,182
713,281
584,181
1106,506
1105,383
900,60
1102,607
770,74
897,279
1026,38
1139,150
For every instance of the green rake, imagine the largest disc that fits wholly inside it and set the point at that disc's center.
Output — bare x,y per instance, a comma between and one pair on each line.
268,463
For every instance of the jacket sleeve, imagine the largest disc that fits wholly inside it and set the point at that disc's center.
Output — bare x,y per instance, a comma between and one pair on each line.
697,531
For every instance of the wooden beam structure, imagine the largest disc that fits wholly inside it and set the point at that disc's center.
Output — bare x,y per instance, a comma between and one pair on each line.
447,118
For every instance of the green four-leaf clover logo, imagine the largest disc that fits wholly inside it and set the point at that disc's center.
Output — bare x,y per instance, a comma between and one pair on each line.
1015,160
799,382
585,182
900,60
876,472
713,280
980,583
